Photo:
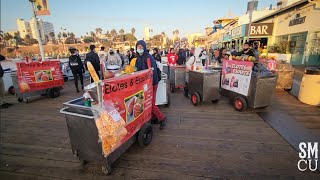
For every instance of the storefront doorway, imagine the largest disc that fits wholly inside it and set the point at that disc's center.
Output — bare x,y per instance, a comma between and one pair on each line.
297,44
313,49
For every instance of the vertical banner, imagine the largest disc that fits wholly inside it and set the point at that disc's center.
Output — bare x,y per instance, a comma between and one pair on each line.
132,96
236,76
42,7
39,75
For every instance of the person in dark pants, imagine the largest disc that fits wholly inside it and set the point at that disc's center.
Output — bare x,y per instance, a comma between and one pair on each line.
156,55
93,57
76,67
142,63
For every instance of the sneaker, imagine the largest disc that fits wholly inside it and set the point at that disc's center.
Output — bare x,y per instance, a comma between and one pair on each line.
163,123
78,90
4,106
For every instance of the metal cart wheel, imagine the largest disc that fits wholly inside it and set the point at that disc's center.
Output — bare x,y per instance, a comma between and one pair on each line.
172,87
54,92
20,99
11,90
106,168
145,135
240,103
195,99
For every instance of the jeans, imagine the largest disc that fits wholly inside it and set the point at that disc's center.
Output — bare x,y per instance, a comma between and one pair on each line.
76,76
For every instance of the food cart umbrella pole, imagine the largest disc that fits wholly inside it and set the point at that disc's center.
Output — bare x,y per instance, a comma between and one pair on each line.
36,30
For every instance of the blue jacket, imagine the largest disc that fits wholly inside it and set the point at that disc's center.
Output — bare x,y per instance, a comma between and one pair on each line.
141,63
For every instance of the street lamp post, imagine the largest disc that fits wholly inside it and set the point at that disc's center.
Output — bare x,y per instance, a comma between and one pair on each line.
38,33
251,8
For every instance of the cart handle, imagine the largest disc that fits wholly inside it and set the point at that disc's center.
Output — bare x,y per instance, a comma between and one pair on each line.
75,114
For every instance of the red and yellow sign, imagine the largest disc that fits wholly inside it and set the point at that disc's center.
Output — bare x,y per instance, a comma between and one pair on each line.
131,95
42,7
37,76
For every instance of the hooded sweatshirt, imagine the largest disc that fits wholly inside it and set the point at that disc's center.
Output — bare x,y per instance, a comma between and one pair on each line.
141,63
194,60
172,59
114,59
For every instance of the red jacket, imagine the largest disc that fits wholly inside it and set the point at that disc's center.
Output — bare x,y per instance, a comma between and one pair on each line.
172,58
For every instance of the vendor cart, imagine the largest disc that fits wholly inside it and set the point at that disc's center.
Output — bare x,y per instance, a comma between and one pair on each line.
25,96
177,77
162,91
204,86
83,131
260,93
261,87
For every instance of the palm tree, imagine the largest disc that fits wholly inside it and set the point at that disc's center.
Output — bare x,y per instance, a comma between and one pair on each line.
133,30
121,32
177,32
59,37
98,31
113,33
72,36
163,34
51,35
64,35
93,35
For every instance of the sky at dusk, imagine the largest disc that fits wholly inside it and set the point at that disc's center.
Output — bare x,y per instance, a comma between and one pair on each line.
81,16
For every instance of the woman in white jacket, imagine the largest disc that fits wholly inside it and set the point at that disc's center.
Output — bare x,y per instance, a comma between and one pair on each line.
113,58
193,63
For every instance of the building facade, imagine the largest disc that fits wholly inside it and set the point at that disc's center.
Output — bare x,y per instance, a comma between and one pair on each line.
45,28
298,25
28,28
23,28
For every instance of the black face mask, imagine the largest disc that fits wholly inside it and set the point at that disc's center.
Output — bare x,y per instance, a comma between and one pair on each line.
245,49
111,53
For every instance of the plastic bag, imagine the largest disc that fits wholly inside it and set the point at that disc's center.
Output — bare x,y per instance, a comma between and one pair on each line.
111,128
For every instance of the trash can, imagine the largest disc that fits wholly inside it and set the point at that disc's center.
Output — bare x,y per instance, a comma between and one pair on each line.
285,74
310,87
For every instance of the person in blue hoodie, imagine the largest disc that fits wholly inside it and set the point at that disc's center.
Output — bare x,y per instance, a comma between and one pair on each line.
141,64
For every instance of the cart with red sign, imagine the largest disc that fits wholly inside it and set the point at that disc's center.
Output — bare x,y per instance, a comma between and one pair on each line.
245,88
121,115
37,78
177,77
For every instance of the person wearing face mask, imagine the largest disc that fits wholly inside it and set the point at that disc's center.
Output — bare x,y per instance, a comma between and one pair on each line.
245,51
113,58
146,61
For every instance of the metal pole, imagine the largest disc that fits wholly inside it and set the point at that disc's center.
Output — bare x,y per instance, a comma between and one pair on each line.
37,31
250,19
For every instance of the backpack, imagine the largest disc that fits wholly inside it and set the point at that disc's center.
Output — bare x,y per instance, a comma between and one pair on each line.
158,70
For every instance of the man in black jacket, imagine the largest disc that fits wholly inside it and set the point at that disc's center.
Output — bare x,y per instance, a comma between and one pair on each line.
93,57
76,67
3,102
